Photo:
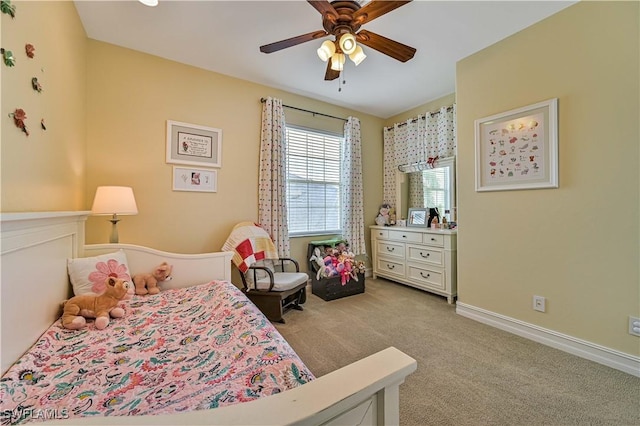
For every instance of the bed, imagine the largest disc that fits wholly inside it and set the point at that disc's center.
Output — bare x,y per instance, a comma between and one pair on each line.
275,385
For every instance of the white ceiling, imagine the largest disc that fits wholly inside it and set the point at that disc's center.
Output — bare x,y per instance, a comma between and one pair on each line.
224,36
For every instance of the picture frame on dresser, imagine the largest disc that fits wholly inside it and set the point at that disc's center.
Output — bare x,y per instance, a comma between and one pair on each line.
418,217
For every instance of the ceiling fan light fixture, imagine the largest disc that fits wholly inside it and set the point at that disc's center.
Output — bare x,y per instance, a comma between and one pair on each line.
348,43
149,2
337,62
357,56
342,21
326,50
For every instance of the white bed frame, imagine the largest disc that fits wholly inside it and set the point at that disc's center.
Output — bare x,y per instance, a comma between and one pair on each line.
33,269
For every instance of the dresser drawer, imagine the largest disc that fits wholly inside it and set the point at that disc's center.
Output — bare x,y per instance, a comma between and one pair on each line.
430,255
427,277
433,240
390,267
379,233
389,249
410,237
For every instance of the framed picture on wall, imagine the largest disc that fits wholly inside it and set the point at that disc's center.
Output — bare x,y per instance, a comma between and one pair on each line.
197,180
518,149
193,144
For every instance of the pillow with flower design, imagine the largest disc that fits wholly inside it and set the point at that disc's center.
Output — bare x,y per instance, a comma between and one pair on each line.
88,274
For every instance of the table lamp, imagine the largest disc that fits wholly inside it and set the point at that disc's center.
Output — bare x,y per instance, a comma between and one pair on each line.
114,201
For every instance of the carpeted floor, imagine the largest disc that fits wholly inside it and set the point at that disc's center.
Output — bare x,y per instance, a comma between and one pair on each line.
468,373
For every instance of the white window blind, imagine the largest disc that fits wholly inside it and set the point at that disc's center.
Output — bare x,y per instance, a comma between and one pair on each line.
313,181
436,184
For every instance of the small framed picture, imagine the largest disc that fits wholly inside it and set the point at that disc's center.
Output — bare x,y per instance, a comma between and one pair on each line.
417,217
518,149
198,180
193,144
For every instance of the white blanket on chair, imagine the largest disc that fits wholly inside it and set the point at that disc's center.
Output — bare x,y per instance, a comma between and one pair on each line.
250,243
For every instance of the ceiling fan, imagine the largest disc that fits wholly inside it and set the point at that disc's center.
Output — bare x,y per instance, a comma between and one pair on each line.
343,19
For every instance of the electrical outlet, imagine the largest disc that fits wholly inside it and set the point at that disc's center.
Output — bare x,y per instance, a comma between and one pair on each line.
539,303
634,326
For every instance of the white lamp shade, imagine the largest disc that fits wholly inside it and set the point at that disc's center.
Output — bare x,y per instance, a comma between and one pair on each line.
149,2
337,62
347,43
111,200
326,50
357,56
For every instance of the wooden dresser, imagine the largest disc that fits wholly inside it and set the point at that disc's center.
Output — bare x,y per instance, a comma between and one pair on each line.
419,257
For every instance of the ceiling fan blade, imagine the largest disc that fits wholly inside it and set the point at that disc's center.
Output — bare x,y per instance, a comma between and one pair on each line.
323,6
330,74
375,9
293,41
396,50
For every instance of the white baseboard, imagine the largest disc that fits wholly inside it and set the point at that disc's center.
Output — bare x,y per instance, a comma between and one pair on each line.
611,358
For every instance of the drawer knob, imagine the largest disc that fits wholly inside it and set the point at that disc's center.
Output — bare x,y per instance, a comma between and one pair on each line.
390,248
390,266
423,276
433,239
425,256
404,236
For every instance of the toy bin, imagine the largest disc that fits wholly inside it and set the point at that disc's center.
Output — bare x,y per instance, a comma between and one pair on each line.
331,288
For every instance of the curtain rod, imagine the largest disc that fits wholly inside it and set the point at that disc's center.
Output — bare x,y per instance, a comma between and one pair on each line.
263,100
420,117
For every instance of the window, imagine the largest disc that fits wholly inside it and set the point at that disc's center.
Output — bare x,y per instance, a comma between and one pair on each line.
436,189
439,187
313,181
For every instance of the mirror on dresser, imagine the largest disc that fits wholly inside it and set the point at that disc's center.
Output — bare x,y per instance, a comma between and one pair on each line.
420,186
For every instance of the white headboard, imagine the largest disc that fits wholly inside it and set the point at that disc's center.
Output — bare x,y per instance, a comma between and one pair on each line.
188,269
33,275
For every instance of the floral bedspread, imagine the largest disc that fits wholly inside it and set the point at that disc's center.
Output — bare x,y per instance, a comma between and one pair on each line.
186,349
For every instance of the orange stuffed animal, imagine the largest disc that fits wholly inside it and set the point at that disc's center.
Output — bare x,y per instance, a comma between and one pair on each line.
148,283
101,307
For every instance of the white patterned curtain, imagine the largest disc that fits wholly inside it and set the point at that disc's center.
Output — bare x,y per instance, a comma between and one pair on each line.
416,140
272,192
390,168
416,190
440,135
400,148
351,181
411,140
413,151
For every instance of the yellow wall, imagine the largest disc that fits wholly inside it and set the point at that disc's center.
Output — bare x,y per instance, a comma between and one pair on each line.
130,96
45,170
577,245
